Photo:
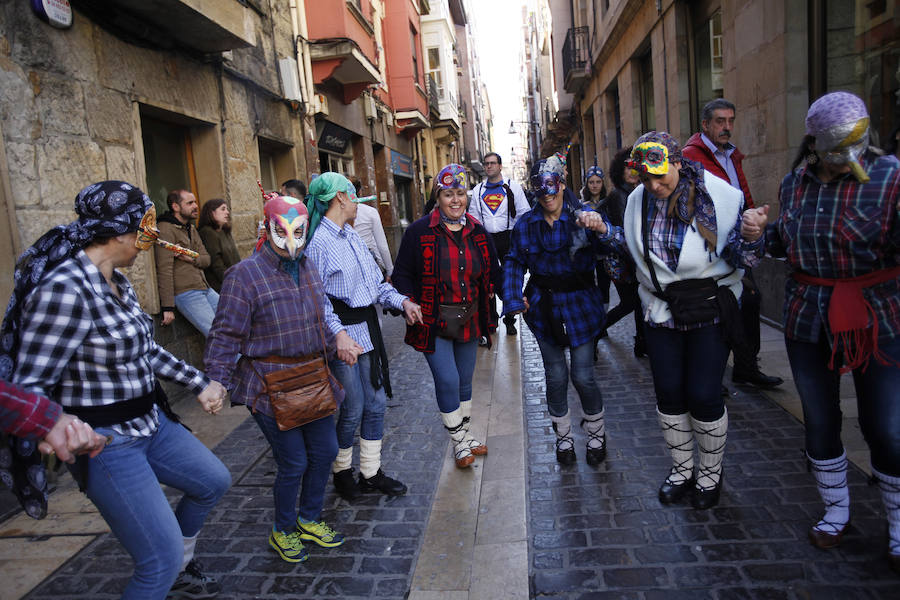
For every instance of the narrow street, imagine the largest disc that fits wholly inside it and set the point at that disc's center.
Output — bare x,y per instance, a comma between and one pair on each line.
518,524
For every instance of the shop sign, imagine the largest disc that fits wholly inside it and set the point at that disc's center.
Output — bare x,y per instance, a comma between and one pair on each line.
335,138
56,12
401,165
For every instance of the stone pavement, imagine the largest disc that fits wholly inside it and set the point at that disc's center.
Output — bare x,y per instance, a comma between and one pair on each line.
516,525
602,533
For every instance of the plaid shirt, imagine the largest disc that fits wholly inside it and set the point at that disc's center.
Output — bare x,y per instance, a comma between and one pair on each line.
838,230
460,270
537,247
262,312
26,415
349,273
84,346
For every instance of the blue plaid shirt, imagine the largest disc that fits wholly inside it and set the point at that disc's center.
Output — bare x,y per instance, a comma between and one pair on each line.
349,273
541,249
838,230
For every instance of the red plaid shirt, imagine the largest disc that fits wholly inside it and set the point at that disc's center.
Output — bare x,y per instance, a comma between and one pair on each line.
25,414
459,268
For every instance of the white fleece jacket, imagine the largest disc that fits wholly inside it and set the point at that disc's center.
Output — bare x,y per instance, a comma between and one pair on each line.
694,262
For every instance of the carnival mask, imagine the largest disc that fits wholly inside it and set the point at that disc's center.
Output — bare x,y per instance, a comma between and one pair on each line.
286,223
147,232
148,236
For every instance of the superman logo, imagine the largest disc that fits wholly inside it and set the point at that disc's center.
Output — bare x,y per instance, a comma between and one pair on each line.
494,200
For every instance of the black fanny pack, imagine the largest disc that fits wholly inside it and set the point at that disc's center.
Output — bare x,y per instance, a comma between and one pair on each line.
454,318
692,300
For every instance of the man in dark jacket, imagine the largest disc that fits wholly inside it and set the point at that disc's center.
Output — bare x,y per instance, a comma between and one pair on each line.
713,149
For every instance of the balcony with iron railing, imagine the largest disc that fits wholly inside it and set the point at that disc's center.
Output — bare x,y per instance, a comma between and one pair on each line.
576,58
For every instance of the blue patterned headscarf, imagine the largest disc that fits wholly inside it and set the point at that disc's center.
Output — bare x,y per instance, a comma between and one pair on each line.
105,209
594,171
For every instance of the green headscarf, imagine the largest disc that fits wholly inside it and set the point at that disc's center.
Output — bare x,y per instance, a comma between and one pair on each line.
322,190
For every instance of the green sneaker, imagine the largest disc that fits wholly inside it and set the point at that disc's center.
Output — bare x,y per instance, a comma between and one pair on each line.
319,533
288,546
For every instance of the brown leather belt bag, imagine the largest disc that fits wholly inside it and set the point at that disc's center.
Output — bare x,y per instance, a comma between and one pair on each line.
299,394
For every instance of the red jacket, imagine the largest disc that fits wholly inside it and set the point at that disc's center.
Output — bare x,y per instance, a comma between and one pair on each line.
697,151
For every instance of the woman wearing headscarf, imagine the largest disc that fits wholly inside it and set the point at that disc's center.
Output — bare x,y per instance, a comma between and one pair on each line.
214,225
74,331
272,312
448,264
593,195
354,285
684,228
839,229
562,304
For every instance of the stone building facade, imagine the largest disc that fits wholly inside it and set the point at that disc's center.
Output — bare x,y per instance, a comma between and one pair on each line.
627,66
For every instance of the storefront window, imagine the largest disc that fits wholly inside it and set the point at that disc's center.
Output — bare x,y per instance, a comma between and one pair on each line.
859,51
708,57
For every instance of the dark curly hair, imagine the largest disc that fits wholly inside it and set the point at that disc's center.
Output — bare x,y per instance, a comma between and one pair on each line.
617,167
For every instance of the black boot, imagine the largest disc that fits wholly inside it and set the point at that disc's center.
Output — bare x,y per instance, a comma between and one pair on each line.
640,347
345,485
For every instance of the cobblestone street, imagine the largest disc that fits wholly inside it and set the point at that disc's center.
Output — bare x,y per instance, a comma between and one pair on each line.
602,532
591,532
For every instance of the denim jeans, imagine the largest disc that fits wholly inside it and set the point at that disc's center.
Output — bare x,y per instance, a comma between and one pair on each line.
363,406
303,455
198,307
687,370
556,376
877,401
123,483
452,364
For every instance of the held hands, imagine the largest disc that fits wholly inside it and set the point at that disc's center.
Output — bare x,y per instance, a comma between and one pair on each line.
412,312
347,349
753,222
593,221
71,436
212,398
527,306
168,317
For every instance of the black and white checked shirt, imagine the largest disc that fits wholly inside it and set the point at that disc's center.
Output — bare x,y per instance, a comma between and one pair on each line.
83,346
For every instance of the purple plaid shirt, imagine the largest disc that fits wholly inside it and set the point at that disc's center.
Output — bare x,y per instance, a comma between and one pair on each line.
262,312
838,230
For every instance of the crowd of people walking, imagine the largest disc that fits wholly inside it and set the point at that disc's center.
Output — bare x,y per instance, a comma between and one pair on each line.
293,331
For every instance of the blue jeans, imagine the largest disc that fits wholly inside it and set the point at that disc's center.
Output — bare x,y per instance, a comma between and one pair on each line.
687,370
452,364
198,307
303,454
556,376
877,401
363,405
123,483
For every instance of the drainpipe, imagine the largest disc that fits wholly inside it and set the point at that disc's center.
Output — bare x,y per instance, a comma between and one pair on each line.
304,66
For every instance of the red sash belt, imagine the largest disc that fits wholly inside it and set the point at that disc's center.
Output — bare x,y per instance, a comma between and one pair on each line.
851,318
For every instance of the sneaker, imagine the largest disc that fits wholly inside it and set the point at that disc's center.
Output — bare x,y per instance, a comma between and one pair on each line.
345,485
379,482
288,546
192,583
320,533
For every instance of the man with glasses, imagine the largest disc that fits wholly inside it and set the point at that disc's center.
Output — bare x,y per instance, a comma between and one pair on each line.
498,203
